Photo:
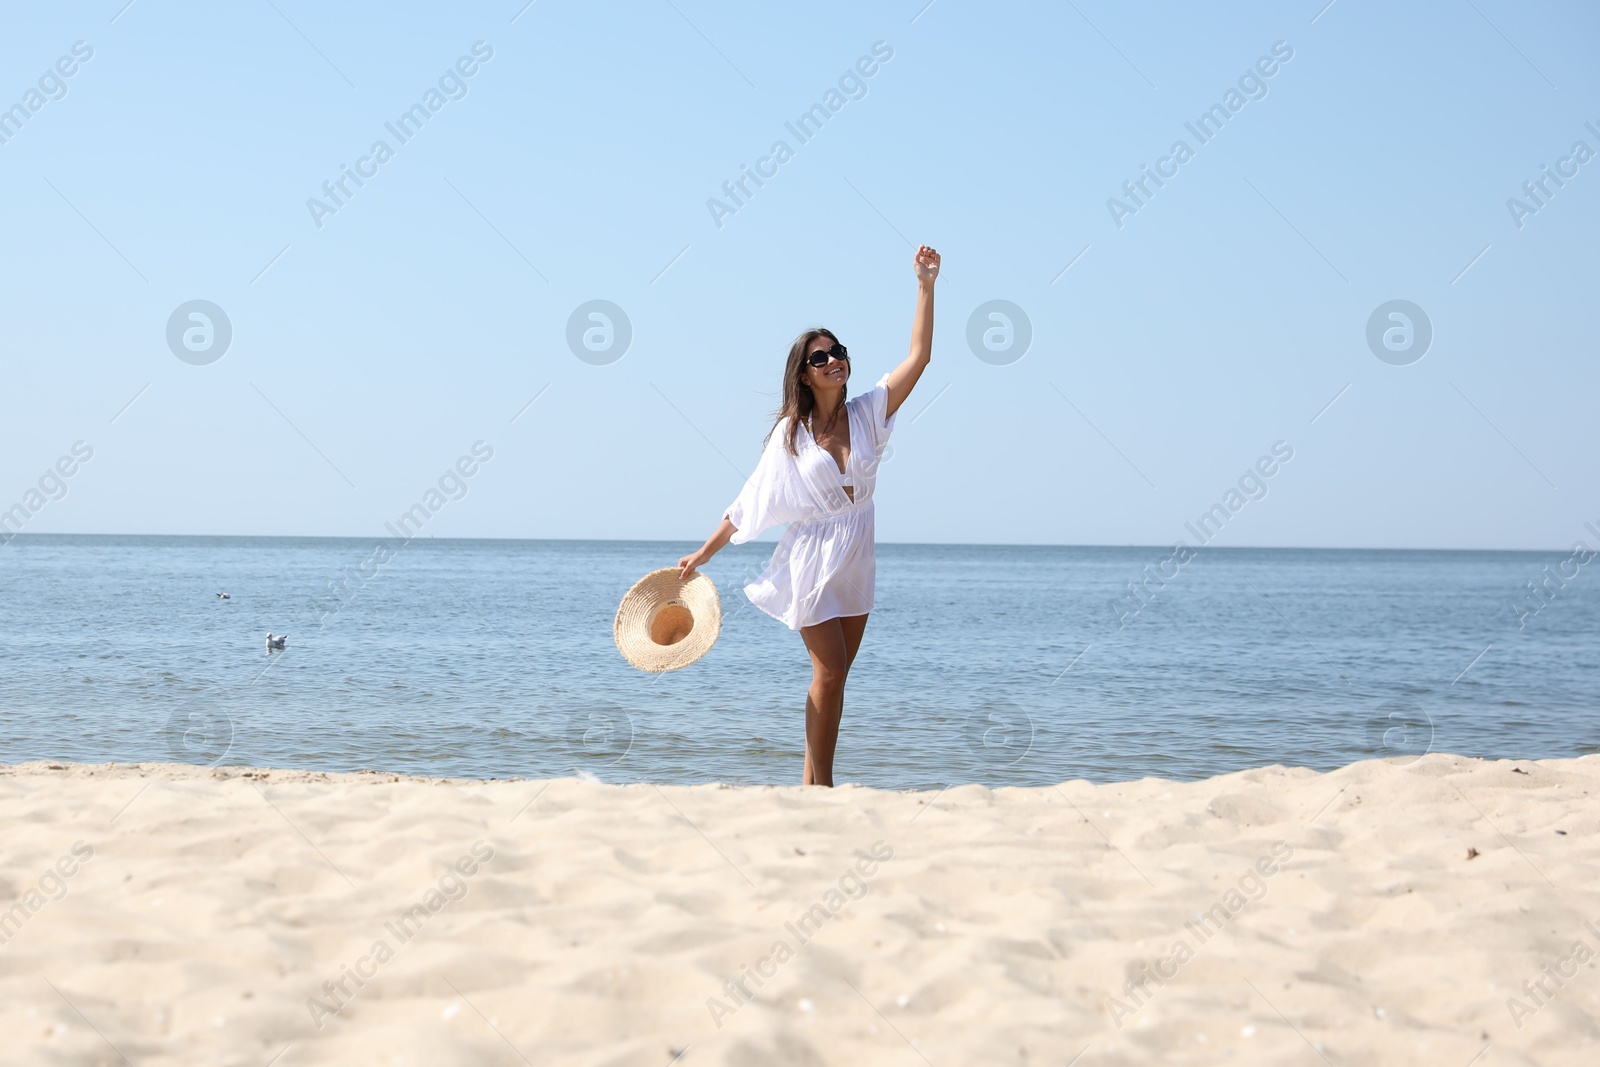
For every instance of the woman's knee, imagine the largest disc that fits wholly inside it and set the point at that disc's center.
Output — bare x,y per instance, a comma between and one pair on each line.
829,653
829,674
829,679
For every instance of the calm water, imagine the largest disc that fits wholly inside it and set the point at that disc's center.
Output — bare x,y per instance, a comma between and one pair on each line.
496,659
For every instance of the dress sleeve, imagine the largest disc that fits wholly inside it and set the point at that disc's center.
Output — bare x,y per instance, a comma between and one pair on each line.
879,422
773,495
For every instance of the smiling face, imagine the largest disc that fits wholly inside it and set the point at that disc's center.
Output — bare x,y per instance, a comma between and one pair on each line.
830,375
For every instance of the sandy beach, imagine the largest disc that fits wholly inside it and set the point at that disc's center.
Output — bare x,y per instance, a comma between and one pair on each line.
1446,911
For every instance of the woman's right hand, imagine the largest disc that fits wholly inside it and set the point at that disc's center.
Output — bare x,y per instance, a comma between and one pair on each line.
687,565
702,555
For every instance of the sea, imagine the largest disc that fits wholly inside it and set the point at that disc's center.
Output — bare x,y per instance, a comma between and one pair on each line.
1000,665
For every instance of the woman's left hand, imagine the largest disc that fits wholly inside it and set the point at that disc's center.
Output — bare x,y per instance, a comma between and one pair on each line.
926,264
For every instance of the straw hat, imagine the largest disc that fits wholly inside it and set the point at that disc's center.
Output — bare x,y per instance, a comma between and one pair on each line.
664,623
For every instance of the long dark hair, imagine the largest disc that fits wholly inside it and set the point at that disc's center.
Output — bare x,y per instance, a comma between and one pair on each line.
798,403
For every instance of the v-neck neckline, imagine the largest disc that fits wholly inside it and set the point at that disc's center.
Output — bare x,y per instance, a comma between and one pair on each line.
833,462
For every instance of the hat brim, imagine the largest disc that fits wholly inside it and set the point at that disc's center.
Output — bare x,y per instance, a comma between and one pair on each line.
665,623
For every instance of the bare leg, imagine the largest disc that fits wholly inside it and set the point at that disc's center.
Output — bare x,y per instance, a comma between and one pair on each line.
825,698
854,627
833,645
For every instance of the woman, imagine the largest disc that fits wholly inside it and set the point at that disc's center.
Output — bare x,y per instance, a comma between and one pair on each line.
818,467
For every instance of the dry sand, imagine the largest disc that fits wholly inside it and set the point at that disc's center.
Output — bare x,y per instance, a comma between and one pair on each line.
1378,914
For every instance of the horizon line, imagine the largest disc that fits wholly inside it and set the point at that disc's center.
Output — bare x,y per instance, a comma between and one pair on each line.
1163,547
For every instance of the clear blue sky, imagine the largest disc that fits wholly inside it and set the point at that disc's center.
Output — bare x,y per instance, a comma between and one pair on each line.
423,315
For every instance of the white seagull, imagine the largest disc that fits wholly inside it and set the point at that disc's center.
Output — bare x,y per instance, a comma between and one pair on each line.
279,642
224,596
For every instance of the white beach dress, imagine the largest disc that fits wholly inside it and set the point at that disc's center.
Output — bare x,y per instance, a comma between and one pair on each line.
825,565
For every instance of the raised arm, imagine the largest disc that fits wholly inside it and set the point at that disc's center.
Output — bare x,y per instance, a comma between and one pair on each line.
904,377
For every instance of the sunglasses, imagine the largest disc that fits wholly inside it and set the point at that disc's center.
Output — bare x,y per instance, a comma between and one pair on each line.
820,358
